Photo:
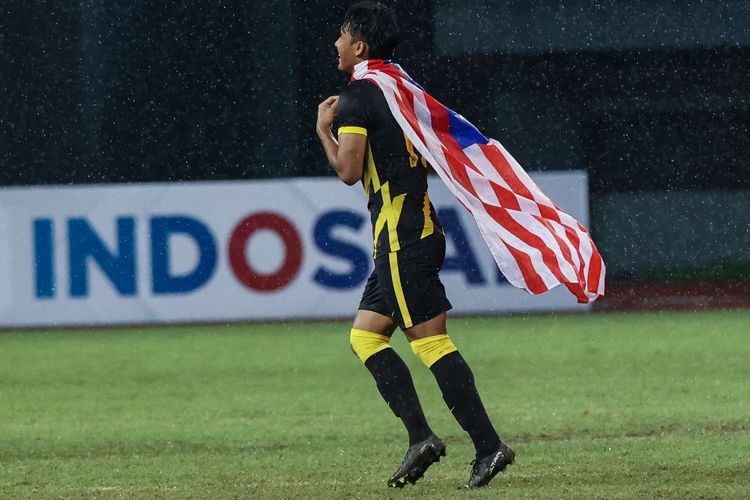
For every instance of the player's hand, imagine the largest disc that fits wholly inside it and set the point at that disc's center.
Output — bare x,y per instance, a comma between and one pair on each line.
327,113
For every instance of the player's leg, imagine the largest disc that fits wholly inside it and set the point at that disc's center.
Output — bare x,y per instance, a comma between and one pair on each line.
374,325
370,337
431,343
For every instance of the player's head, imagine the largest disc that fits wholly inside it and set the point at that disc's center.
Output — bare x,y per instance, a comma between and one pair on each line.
369,31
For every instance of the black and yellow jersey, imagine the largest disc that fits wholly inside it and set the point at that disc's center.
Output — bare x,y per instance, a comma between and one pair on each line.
395,175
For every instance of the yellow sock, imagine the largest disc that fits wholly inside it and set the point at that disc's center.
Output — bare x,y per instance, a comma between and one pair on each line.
431,349
365,344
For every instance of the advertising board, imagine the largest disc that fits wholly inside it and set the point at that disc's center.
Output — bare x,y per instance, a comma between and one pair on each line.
228,251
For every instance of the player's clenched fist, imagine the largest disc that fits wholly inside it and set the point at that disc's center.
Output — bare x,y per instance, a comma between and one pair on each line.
326,113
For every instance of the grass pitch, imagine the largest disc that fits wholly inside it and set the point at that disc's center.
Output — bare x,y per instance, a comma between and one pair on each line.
601,405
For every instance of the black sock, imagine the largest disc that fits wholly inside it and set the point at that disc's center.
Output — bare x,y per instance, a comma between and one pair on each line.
456,382
397,388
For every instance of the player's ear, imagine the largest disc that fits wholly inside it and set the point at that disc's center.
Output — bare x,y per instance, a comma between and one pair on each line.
361,50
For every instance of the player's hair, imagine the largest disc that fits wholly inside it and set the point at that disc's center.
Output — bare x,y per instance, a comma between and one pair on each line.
375,24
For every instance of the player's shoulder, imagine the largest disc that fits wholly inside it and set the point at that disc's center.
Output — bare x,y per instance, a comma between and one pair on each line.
360,90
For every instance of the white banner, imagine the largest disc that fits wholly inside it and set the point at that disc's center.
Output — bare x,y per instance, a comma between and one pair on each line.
228,251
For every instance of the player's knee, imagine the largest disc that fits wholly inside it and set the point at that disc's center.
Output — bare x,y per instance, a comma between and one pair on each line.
365,344
431,349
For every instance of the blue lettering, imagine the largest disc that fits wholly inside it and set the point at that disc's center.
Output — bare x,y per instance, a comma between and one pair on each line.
501,279
120,268
44,258
463,259
164,281
327,243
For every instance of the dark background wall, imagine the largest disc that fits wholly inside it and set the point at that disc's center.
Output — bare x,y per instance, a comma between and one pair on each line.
650,98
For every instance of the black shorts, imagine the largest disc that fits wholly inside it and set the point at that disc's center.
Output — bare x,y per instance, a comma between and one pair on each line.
405,285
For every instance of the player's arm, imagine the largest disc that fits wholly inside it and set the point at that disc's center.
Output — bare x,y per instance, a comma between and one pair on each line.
346,155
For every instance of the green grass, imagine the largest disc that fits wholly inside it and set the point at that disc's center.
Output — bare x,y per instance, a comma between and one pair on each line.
601,405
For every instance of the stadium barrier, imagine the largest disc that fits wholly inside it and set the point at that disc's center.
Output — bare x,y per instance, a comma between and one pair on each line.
227,251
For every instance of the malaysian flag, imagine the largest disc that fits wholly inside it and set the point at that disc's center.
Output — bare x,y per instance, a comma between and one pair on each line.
536,245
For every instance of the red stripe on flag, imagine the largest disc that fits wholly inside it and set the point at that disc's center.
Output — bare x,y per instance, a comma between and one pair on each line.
595,271
497,158
408,103
576,290
505,196
595,265
534,282
548,212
